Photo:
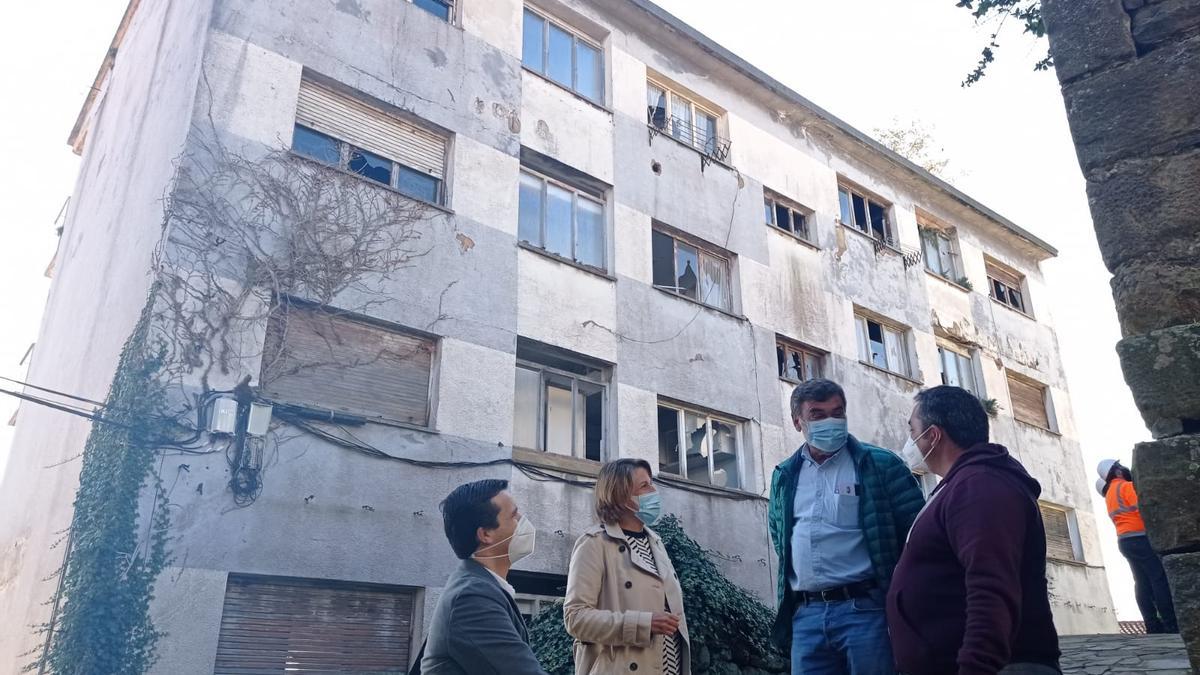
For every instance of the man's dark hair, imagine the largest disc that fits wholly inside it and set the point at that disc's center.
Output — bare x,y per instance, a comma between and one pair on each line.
468,508
817,390
957,411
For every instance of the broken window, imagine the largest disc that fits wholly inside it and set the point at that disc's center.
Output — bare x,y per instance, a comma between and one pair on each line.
339,130
681,117
442,9
796,363
883,345
958,370
690,271
787,216
1004,285
698,446
1062,533
560,402
561,219
940,255
1030,401
562,55
865,214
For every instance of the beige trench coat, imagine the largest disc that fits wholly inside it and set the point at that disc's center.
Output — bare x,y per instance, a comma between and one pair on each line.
611,597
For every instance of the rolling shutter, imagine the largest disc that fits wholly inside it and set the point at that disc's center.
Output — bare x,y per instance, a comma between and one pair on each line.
1028,401
1003,275
1058,533
338,363
273,625
348,119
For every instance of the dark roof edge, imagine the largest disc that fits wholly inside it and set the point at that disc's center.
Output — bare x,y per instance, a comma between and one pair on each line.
782,90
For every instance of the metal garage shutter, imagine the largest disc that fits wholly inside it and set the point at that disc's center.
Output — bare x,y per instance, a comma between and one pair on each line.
357,123
272,625
339,363
1028,401
1058,533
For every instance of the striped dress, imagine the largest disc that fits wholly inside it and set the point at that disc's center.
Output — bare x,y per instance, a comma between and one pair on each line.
639,545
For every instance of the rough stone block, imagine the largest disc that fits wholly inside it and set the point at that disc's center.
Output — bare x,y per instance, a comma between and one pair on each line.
1163,371
1151,294
1167,478
1086,35
1158,22
1183,569
1148,208
1131,5
1144,108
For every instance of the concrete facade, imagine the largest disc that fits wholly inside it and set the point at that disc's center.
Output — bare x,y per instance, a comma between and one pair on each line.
325,513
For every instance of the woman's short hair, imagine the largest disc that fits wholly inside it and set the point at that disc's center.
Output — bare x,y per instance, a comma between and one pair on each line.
614,487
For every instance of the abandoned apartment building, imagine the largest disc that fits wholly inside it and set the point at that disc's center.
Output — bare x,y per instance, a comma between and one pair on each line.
643,243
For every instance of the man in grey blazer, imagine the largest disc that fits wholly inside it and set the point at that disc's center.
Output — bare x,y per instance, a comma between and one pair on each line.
476,628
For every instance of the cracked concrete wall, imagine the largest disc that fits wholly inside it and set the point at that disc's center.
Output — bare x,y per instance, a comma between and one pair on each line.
1128,70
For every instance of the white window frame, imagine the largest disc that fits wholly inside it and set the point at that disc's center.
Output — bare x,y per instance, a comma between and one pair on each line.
576,195
774,201
696,109
937,238
702,253
902,333
1072,531
889,230
709,418
790,347
577,37
451,7
968,359
545,373
346,150
1021,288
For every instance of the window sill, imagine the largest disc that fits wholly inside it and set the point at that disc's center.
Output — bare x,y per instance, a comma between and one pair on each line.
566,261
556,462
346,172
736,317
894,374
598,106
1039,428
1069,563
883,244
946,281
794,237
1012,309
715,490
315,413
705,156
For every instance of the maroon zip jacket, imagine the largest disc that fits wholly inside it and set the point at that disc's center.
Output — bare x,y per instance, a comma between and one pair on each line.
969,594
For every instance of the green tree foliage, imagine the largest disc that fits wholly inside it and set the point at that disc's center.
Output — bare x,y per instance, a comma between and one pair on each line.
730,629
1027,12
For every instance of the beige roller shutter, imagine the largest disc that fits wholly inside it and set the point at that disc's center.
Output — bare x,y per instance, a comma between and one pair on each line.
357,123
1003,275
1058,533
1028,401
337,363
276,625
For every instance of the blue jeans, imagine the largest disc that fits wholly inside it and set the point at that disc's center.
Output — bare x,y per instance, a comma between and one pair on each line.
842,638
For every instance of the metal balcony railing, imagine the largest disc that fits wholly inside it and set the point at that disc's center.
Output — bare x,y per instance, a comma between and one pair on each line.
710,145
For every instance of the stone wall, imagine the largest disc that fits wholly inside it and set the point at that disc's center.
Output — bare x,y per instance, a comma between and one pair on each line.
1129,72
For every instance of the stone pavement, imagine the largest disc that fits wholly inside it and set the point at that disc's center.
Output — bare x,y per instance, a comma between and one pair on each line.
1123,655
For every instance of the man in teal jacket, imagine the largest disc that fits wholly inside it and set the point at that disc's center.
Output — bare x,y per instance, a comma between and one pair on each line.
840,512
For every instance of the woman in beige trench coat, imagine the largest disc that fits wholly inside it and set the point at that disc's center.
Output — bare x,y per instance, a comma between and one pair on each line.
624,606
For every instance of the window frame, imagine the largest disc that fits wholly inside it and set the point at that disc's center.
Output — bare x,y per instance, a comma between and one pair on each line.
1047,401
702,251
889,230
600,380
994,270
790,347
576,194
450,5
739,450
939,235
1069,516
774,201
970,358
577,37
346,151
862,332
709,145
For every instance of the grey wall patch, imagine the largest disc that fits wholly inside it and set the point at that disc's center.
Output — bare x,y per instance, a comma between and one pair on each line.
436,56
353,8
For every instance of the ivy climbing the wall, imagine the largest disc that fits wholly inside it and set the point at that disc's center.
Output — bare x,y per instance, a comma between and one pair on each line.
730,629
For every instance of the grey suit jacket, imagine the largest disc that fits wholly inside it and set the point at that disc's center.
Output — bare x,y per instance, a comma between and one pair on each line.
476,629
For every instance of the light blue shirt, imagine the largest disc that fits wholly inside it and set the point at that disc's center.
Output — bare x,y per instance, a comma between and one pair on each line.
828,546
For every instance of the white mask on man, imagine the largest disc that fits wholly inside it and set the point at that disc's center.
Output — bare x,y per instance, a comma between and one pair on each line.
912,456
523,540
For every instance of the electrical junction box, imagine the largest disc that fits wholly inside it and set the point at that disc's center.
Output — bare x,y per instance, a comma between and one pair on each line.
223,419
260,419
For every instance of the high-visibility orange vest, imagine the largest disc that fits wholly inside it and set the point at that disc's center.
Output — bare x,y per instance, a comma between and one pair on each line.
1123,508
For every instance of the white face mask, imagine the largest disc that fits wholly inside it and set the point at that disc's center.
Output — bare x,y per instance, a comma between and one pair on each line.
523,540
912,456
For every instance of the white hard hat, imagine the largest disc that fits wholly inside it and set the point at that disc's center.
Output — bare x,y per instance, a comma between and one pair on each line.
1100,483
1104,467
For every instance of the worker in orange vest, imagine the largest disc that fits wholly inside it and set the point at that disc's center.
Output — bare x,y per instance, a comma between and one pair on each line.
1150,585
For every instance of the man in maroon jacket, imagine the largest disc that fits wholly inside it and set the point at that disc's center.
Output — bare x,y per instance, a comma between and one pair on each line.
969,594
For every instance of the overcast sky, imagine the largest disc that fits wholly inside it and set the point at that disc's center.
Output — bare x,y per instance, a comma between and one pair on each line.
868,61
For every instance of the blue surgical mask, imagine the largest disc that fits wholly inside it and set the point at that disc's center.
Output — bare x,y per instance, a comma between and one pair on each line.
827,435
649,507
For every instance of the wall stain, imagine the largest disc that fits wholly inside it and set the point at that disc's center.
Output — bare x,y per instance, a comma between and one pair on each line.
436,56
353,8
